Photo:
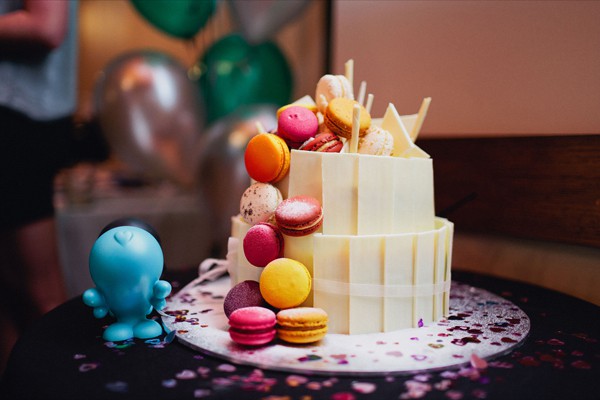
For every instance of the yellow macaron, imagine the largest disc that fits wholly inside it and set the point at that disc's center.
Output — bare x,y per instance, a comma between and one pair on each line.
285,283
338,117
302,324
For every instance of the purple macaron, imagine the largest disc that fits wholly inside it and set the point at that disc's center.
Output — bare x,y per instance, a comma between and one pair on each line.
244,294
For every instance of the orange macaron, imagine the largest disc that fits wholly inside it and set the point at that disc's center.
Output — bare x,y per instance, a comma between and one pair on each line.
267,158
301,324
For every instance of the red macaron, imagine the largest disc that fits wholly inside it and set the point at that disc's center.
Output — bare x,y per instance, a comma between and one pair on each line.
262,244
252,326
326,142
299,216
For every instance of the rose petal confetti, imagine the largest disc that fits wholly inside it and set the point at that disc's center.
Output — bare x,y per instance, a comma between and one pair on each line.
477,362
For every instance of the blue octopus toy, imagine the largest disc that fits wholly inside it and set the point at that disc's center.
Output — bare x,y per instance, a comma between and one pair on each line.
125,264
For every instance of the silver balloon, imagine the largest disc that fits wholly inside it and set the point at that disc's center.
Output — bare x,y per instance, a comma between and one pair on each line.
259,20
222,176
151,114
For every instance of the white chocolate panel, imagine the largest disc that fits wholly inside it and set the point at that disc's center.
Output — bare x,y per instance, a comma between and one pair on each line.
340,203
423,208
331,254
301,250
245,270
423,275
398,270
375,208
366,267
305,177
439,270
391,280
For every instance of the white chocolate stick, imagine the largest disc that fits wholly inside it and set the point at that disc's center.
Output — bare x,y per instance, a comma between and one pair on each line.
355,129
361,93
369,102
349,72
260,128
420,118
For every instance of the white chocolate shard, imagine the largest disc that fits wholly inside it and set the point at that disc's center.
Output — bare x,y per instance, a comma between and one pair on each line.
403,145
308,100
414,133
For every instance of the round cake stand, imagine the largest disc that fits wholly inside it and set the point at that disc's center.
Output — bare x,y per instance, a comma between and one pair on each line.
481,325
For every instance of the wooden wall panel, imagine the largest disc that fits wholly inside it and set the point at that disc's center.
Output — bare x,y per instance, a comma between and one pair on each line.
545,188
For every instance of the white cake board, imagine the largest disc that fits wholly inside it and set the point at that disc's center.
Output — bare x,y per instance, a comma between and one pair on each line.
481,325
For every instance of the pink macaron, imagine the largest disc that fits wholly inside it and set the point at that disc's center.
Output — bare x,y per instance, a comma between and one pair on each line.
252,326
299,216
244,294
262,244
297,124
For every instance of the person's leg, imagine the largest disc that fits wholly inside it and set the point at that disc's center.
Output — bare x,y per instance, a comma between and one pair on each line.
38,252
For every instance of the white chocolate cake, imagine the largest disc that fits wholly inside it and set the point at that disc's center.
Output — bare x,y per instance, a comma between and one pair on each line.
381,260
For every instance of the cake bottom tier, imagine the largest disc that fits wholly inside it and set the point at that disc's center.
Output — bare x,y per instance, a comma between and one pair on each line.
367,283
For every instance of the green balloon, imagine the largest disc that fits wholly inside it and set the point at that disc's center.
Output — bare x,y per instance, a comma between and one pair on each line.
235,73
179,18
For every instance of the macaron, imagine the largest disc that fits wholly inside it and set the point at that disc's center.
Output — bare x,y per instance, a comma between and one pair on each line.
377,141
310,106
262,244
285,283
252,326
299,216
326,142
301,324
330,87
297,124
244,294
259,202
267,158
338,117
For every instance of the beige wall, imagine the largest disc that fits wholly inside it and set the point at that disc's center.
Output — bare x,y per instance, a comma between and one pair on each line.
492,67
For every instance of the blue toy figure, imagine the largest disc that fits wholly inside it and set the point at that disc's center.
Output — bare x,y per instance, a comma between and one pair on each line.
125,264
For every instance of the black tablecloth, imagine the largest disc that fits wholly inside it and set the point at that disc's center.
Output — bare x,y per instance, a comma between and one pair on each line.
64,357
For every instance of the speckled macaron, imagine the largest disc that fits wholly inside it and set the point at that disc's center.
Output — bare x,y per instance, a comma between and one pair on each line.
244,294
259,202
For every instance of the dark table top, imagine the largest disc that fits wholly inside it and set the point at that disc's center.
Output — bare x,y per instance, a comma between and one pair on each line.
64,357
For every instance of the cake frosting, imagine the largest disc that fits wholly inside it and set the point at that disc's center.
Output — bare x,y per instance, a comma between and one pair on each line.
381,260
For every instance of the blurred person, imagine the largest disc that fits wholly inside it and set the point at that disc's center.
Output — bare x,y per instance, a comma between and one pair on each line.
38,78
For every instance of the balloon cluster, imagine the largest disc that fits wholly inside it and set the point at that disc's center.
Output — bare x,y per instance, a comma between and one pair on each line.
190,125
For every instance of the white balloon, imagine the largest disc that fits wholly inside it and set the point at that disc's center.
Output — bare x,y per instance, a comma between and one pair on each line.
259,20
151,115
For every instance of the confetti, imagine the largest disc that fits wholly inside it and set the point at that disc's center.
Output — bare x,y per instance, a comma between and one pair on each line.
364,387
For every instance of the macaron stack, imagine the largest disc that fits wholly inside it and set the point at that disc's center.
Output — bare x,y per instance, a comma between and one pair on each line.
332,123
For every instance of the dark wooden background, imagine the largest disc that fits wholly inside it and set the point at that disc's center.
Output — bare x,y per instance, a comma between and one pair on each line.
545,188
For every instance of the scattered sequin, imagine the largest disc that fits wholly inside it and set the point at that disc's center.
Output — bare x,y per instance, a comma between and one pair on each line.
88,367
118,387
186,374
364,387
